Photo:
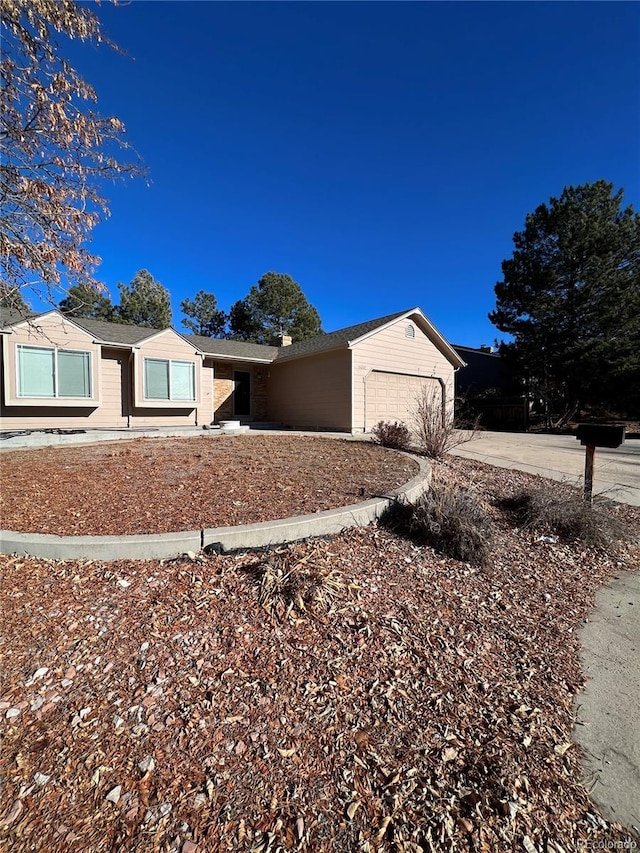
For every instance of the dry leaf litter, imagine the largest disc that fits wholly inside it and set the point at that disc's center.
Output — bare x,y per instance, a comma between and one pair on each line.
210,481
356,693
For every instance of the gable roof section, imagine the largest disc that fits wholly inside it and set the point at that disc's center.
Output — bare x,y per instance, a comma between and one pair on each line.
122,335
118,334
351,335
334,340
9,318
232,350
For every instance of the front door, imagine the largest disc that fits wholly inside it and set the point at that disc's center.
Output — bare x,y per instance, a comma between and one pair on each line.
241,393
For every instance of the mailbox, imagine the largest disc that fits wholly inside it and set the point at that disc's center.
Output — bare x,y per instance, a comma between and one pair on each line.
601,435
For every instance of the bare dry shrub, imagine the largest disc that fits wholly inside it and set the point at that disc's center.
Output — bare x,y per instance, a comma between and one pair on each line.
546,509
437,430
448,518
286,582
393,434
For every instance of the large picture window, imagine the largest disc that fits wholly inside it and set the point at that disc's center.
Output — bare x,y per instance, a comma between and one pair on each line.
54,373
169,380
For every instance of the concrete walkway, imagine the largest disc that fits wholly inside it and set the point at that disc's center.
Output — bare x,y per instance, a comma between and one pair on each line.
608,710
561,457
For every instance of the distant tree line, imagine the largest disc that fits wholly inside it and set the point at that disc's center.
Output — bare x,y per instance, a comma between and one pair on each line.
273,307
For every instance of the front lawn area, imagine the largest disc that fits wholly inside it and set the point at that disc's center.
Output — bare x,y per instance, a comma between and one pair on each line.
165,485
355,693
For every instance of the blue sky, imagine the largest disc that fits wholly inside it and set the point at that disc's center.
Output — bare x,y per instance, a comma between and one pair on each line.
382,154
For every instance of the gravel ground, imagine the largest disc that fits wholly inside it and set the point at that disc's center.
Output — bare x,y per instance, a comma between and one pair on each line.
354,693
163,485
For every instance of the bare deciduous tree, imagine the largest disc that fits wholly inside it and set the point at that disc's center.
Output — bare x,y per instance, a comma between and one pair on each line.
58,152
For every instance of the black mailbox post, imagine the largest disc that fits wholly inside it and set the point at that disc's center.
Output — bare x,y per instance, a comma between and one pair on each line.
592,436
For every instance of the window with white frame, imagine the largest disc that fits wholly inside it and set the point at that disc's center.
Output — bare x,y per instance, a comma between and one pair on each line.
46,372
169,380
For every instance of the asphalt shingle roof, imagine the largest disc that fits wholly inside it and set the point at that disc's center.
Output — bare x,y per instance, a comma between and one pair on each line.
333,340
129,336
9,317
232,349
114,333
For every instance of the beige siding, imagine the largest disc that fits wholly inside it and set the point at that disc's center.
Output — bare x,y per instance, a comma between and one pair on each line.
51,332
110,414
313,392
392,352
168,345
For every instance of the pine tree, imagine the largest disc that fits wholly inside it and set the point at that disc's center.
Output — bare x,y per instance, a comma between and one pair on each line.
570,297
144,302
274,306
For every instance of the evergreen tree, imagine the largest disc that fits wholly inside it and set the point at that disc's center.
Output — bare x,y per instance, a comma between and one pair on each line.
570,297
83,300
203,315
274,306
144,302
12,298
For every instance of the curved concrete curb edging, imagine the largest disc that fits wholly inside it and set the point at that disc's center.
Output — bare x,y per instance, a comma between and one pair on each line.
152,546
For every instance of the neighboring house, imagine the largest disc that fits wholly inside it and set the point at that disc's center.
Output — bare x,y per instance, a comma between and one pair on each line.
69,373
486,388
484,370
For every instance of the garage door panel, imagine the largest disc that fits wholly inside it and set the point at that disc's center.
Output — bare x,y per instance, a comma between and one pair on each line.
394,396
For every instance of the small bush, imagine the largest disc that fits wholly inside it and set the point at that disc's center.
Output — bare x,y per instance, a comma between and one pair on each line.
285,583
393,434
568,516
437,431
449,519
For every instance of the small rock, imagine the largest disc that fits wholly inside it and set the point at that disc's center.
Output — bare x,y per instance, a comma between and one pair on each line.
66,682
122,583
14,812
147,764
114,794
12,712
43,670
118,722
41,778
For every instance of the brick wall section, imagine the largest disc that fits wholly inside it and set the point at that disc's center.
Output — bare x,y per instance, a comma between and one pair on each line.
259,402
222,391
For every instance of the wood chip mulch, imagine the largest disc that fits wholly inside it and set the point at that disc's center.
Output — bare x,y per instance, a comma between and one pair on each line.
355,693
166,485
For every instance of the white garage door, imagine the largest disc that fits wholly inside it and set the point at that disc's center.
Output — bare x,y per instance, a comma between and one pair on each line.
393,396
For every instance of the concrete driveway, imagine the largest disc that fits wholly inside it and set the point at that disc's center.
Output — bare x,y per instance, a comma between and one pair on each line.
561,457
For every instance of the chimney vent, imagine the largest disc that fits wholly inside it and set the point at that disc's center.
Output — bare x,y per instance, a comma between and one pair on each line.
282,341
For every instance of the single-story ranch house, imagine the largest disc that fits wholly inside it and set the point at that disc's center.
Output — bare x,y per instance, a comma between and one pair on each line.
60,372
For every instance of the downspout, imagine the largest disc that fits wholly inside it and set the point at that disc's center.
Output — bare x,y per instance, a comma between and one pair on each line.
443,391
130,381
